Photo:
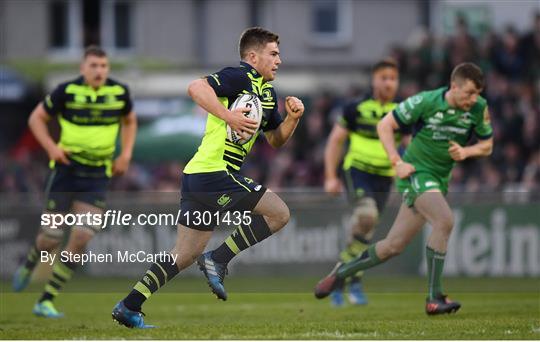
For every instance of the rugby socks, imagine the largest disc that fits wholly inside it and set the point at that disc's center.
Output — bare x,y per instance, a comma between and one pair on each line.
358,245
366,260
158,275
435,265
31,258
242,238
354,249
61,274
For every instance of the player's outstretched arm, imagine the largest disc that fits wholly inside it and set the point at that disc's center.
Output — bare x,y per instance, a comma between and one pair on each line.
385,129
332,156
127,136
204,95
38,125
279,136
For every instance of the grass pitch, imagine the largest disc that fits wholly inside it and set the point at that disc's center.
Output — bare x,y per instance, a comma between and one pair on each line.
281,308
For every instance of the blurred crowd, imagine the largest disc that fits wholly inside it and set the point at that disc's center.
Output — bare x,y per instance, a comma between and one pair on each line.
511,63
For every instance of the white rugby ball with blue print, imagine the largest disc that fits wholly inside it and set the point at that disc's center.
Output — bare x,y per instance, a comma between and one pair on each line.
256,113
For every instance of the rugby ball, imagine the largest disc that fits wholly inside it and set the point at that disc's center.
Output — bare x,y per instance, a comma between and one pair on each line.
256,113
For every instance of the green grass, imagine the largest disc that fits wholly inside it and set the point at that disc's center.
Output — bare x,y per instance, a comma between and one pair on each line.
492,309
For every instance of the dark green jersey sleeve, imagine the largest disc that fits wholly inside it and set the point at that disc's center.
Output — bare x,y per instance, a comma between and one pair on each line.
54,102
483,128
409,111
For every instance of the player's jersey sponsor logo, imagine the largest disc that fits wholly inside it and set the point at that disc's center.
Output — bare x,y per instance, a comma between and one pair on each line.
224,200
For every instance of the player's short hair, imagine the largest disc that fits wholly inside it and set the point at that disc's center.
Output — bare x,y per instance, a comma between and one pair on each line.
94,50
257,38
383,64
468,71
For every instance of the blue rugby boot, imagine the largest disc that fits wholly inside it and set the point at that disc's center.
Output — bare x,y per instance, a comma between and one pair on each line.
356,294
336,298
21,278
46,309
129,318
214,273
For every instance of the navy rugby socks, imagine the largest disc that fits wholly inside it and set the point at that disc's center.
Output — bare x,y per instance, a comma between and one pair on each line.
242,238
158,275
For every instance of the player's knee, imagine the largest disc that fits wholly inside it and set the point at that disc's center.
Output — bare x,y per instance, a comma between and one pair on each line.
444,224
365,216
285,216
79,239
45,243
280,218
395,247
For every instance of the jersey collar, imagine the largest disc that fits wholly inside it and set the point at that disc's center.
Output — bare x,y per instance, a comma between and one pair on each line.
251,69
443,98
80,80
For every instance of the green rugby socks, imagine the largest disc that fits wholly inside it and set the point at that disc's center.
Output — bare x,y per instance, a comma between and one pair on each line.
435,265
242,238
353,250
367,260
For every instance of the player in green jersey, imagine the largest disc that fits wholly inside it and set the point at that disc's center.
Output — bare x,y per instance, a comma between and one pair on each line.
443,121
367,171
212,185
91,110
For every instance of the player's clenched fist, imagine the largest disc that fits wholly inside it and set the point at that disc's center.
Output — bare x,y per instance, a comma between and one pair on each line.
294,107
457,152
